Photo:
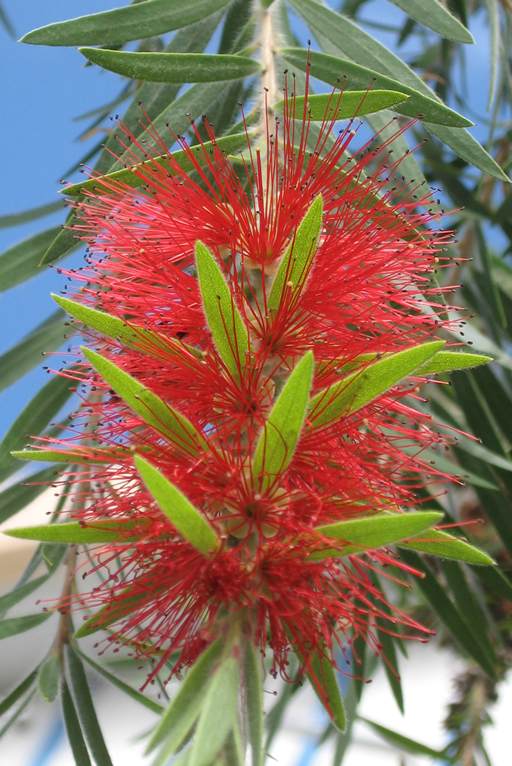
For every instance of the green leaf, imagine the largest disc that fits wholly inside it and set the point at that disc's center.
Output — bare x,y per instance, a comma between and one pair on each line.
10,599
73,728
391,666
447,612
254,678
350,103
401,742
278,439
173,67
11,699
127,333
321,674
21,262
65,243
122,531
14,625
134,175
148,406
441,544
80,456
120,25
362,387
437,17
218,713
184,709
448,361
296,263
33,419
48,677
125,688
85,709
17,496
17,219
496,48
375,531
224,320
186,518
26,354
351,42
342,72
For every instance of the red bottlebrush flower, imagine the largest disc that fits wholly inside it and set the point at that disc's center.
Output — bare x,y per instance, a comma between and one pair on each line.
352,291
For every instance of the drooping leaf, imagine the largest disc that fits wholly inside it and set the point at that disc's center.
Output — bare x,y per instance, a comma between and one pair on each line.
186,518
134,175
362,387
48,677
296,262
73,728
342,73
350,103
435,16
21,262
26,354
278,439
85,709
225,322
17,496
403,743
254,678
120,25
11,699
173,67
375,531
320,671
14,625
184,709
33,419
122,531
148,406
439,543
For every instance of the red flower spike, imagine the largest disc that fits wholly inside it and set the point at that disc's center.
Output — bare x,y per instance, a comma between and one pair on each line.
359,287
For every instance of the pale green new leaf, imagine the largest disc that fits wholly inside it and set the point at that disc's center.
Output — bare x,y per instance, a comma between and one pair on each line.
446,546
348,104
85,456
448,361
148,406
73,532
360,388
224,320
278,439
295,264
48,677
186,518
173,67
376,531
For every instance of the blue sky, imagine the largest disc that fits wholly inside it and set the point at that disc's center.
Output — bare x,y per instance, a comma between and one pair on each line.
45,88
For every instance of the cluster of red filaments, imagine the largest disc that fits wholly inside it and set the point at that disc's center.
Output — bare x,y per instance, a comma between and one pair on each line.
369,291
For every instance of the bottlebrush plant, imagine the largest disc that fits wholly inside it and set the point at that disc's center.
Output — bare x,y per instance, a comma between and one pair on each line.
249,467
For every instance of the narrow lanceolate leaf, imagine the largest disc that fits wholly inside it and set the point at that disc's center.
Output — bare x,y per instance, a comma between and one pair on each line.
134,175
448,361
16,219
446,546
186,518
33,419
225,322
21,262
404,743
127,333
85,709
184,709
435,16
73,728
360,388
7,702
152,17
348,104
84,456
48,677
71,532
173,67
148,406
253,673
375,531
277,442
342,73
218,713
26,354
63,244
14,625
322,676
295,264
17,496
